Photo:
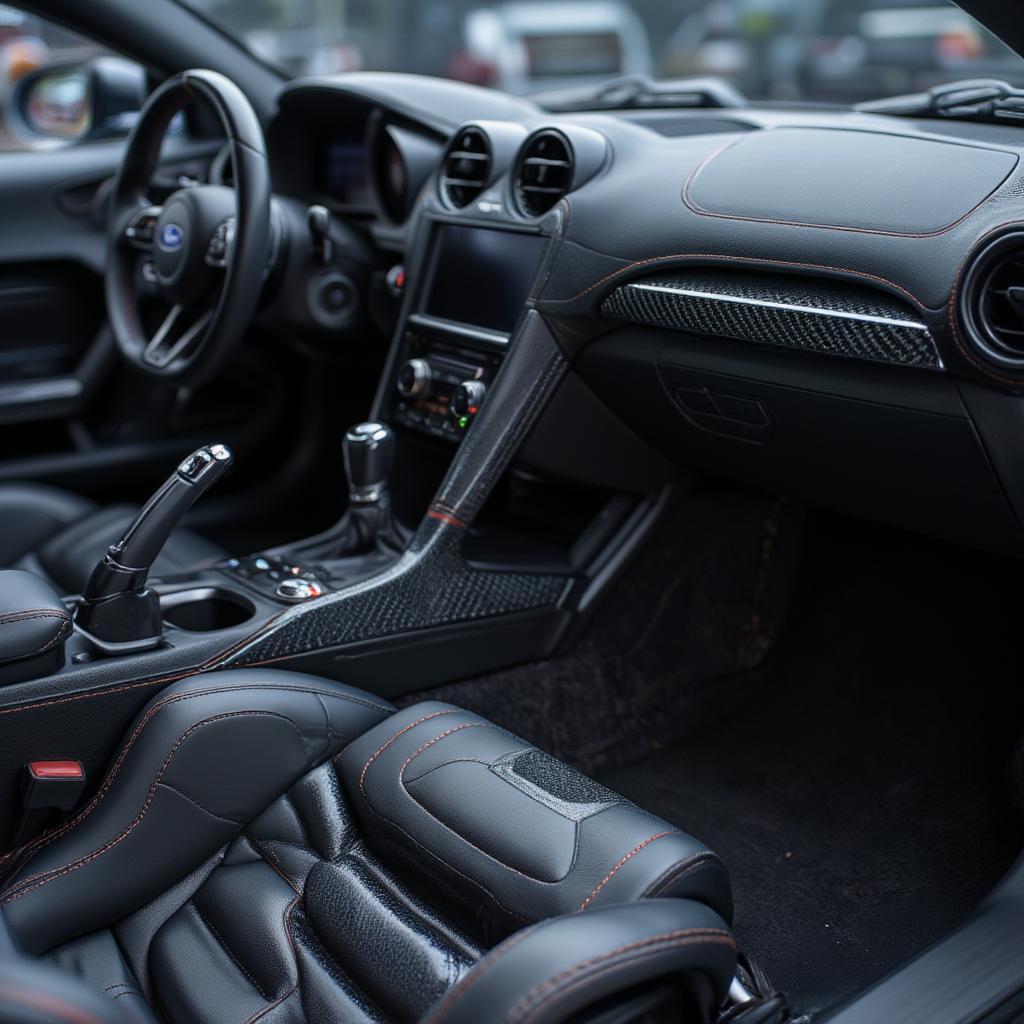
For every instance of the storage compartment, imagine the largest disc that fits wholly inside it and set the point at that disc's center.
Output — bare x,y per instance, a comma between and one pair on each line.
205,609
892,444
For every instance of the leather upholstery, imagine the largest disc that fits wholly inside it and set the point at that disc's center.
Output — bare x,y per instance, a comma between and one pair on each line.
272,846
447,791
61,537
32,618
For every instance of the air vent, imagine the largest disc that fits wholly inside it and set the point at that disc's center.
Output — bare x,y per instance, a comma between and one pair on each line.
544,172
466,167
992,301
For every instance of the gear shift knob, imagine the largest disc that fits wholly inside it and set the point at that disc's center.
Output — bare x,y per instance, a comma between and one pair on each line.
369,450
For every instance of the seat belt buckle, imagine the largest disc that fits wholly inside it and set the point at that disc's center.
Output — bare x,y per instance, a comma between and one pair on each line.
52,785
47,789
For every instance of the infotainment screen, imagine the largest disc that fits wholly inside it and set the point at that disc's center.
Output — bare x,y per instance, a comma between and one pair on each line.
481,276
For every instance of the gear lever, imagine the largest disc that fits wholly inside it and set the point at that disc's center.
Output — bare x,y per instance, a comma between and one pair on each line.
369,453
368,526
116,607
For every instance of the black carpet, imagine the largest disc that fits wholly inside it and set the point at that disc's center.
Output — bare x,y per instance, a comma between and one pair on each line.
859,793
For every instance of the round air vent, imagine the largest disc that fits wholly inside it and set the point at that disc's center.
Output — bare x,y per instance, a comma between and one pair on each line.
992,301
466,167
543,173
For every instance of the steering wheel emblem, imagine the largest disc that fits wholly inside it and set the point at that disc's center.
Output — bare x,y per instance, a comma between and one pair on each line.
171,237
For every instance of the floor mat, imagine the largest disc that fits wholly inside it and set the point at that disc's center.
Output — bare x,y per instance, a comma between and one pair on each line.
859,793
703,602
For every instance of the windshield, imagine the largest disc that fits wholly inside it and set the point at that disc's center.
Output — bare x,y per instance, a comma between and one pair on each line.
835,51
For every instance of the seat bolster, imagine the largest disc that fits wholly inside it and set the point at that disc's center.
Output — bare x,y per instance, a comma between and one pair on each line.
555,969
204,758
456,799
32,513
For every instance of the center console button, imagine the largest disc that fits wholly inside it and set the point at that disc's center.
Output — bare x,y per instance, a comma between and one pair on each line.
414,378
293,589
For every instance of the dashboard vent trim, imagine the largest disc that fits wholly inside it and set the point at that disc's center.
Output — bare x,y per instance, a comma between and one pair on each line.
466,167
991,302
813,316
544,172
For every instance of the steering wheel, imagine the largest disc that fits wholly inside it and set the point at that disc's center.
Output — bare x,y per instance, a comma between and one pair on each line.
207,247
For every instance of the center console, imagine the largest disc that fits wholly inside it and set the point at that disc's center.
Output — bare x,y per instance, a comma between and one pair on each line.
461,316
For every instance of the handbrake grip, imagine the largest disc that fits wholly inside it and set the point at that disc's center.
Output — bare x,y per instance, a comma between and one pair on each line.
146,536
116,608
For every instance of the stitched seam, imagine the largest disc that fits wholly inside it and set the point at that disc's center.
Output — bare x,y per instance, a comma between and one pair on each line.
47,838
435,856
629,856
172,677
33,613
295,957
16,891
195,803
677,871
444,825
401,732
234,959
752,260
565,980
695,207
468,980
12,618
260,848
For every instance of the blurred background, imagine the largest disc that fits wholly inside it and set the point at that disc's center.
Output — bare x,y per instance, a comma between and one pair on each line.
821,51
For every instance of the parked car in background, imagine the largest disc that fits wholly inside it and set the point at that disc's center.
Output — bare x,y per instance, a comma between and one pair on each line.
530,47
852,49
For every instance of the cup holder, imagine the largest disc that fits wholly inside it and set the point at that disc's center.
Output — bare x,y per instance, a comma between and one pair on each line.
205,609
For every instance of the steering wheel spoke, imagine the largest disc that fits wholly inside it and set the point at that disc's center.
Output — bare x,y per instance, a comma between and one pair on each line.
141,226
203,251
175,336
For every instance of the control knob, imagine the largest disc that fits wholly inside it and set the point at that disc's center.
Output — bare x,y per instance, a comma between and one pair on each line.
414,379
466,401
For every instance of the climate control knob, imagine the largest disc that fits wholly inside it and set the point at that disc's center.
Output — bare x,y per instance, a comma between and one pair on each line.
466,401
414,379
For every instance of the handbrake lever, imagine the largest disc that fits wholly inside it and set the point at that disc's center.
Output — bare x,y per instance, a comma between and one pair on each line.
116,608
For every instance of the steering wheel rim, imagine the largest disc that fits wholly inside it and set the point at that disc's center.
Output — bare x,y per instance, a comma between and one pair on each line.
199,333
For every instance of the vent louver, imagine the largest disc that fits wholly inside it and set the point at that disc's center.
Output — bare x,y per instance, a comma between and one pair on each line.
544,172
466,167
992,301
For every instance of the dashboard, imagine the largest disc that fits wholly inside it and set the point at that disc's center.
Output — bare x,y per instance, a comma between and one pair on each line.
828,305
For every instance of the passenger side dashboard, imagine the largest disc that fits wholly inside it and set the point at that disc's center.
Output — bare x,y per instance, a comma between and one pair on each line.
819,304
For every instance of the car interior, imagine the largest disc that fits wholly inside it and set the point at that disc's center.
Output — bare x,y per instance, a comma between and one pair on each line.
471,556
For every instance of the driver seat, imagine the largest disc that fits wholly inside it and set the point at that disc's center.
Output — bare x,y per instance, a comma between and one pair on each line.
61,536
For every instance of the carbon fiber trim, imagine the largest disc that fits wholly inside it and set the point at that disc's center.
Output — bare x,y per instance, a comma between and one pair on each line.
430,586
813,316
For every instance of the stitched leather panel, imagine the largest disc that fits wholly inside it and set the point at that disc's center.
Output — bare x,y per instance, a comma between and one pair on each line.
844,181
501,856
299,916
865,326
202,760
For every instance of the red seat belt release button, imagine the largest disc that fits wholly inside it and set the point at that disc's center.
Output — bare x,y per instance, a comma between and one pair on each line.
52,784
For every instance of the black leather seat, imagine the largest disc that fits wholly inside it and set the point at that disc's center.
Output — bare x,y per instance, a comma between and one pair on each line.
273,847
61,536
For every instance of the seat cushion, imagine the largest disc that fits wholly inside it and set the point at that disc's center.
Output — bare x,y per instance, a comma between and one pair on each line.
272,846
61,537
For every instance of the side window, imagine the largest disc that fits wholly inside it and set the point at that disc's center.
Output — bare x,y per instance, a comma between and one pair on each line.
49,77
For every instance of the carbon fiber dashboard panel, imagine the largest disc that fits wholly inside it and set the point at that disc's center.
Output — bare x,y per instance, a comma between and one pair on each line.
795,313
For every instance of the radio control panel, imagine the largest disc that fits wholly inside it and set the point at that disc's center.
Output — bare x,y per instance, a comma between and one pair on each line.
440,385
